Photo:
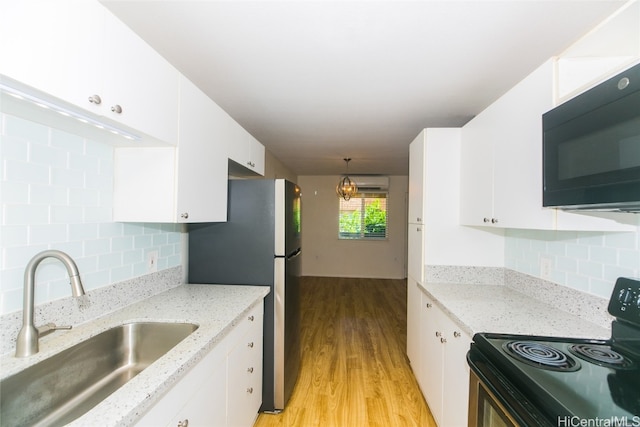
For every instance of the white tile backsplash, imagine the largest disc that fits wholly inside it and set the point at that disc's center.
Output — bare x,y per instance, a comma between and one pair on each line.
57,192
586,261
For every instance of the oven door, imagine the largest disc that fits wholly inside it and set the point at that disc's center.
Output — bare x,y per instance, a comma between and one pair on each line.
494,401
485,410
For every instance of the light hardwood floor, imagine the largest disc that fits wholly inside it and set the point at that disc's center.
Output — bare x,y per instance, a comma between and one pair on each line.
354,371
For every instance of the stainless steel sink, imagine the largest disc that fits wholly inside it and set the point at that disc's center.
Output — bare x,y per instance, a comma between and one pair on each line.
62,387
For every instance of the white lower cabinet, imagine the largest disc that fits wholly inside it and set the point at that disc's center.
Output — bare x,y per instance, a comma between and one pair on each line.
223,389
444,374
244,375
414,307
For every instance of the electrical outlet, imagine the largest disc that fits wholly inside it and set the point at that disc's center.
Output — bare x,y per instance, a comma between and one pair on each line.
546,264
152,261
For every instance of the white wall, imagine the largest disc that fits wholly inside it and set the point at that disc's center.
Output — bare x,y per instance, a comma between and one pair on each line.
275,169
323,254
56,193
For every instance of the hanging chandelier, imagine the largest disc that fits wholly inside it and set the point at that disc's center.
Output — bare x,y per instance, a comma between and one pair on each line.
346,187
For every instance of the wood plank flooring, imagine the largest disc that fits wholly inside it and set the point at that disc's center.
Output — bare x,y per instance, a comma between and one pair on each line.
354,371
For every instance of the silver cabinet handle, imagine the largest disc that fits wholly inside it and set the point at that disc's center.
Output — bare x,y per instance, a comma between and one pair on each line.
485,220
250,345
250,370
457,334
116,109
419,219
183,423
418,228
438,334
250,318
443,340
429,305
250,163
95,99
250,390
184,215
494,220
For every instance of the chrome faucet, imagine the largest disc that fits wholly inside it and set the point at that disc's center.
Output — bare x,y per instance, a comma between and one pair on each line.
27,341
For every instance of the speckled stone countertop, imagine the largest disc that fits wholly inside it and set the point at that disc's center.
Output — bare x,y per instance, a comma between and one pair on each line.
500,309
215,308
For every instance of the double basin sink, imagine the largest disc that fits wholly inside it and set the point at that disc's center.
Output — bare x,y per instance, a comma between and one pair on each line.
63,387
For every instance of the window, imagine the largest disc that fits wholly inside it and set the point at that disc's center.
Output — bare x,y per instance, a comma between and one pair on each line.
364,216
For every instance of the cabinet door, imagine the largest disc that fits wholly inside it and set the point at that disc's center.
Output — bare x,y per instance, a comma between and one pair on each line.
456,377
202,161
517,164
476,170
245,150
256,156
200,396
139,81
432,350
415,255
54,46
501,178
414,326
207,406
416,177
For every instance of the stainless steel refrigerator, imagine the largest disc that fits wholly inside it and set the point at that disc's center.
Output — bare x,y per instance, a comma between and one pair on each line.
259,245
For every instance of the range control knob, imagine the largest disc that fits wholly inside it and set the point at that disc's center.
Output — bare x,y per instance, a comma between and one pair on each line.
625,296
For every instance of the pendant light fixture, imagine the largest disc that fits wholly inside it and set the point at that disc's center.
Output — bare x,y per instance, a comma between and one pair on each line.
346,187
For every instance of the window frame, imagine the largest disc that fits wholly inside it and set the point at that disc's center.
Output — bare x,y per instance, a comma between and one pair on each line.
362,236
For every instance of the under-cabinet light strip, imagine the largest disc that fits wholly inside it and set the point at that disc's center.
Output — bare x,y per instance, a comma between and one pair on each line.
42,103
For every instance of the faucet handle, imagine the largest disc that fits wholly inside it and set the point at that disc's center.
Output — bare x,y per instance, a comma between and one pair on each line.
47,328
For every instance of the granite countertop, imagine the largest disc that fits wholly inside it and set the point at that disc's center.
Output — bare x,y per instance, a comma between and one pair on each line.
215,308
501,309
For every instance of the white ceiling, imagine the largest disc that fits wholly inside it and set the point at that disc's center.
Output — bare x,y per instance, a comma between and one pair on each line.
317,81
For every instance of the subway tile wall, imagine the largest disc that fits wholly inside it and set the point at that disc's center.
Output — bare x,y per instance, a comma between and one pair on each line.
587,261
56,193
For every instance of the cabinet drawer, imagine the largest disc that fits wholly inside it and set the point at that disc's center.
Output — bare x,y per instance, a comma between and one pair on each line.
244,373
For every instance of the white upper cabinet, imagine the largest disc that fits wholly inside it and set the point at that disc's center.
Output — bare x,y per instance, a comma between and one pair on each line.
140,87
76,51
54,46
202,161
501,158
476,172
501,165
608,49
245,150
187,183
416,178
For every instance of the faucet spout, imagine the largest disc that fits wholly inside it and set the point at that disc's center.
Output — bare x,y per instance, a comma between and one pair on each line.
27,341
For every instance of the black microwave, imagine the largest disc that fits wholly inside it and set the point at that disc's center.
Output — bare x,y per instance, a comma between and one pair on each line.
591,148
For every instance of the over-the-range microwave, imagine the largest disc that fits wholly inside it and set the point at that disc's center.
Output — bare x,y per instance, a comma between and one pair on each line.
591,148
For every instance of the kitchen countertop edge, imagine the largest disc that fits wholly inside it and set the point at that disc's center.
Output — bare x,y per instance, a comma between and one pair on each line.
216,309
499,309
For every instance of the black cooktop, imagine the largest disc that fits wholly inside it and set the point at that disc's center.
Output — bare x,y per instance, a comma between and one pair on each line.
568,386
570,379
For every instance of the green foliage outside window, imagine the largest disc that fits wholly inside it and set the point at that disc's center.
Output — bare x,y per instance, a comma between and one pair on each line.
363,218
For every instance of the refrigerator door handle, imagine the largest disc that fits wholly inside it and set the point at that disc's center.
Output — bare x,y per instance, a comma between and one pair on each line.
294,254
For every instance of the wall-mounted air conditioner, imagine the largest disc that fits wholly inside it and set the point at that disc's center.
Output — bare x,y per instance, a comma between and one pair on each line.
371,182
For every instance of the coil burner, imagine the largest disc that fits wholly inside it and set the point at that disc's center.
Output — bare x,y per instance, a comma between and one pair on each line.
601,355
541,356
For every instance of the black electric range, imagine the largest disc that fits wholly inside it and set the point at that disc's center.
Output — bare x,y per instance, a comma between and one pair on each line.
537,381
